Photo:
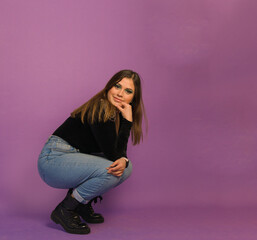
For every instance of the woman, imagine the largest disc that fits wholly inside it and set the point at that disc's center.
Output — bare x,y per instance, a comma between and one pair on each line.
87,153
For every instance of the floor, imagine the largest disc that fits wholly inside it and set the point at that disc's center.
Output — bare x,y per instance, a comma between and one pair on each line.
178,223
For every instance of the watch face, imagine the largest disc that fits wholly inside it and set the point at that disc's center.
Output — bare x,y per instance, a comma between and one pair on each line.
127,162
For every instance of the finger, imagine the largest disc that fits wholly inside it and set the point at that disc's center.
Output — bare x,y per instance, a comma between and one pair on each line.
114,169
119,107
112,165
110,170
117,174
125,104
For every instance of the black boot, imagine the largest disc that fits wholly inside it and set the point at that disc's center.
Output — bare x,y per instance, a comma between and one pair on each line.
87,212
65,215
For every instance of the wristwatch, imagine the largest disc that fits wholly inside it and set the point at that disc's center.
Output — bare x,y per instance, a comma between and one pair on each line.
127,162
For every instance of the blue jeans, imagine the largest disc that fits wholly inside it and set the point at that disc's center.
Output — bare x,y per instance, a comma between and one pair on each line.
62,166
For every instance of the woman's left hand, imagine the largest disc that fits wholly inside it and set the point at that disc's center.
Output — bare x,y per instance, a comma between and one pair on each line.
117,168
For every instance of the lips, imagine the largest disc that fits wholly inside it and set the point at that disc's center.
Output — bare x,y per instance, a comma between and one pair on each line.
117,99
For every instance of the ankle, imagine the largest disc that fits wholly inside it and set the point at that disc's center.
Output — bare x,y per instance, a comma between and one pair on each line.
69,202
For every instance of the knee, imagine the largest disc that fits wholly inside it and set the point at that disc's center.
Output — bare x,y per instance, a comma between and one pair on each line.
112,180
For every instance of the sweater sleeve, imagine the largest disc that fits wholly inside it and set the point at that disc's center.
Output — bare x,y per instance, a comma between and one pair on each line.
113,146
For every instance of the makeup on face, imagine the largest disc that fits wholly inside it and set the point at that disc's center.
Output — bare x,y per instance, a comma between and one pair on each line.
122,91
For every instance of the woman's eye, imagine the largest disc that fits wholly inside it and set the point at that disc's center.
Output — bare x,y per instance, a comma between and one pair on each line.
117,85
129,91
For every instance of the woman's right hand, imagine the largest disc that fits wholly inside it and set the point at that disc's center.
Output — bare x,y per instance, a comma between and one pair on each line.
126,110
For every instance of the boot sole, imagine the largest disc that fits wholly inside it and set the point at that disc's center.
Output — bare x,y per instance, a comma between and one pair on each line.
93,221
58,220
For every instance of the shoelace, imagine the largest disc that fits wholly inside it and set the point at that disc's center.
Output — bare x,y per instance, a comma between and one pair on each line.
95,201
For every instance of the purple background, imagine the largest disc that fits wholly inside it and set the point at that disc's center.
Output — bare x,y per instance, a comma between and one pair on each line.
197,60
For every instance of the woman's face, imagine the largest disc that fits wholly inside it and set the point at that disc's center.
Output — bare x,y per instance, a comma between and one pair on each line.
123,91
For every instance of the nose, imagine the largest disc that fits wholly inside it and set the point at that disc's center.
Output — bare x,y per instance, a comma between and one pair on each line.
120,93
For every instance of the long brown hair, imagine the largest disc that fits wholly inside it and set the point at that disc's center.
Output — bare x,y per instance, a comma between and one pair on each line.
98,108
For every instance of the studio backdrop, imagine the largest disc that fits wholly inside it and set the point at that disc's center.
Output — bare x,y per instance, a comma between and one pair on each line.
197,60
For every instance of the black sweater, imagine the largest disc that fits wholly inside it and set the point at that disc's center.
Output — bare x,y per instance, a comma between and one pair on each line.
96,138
